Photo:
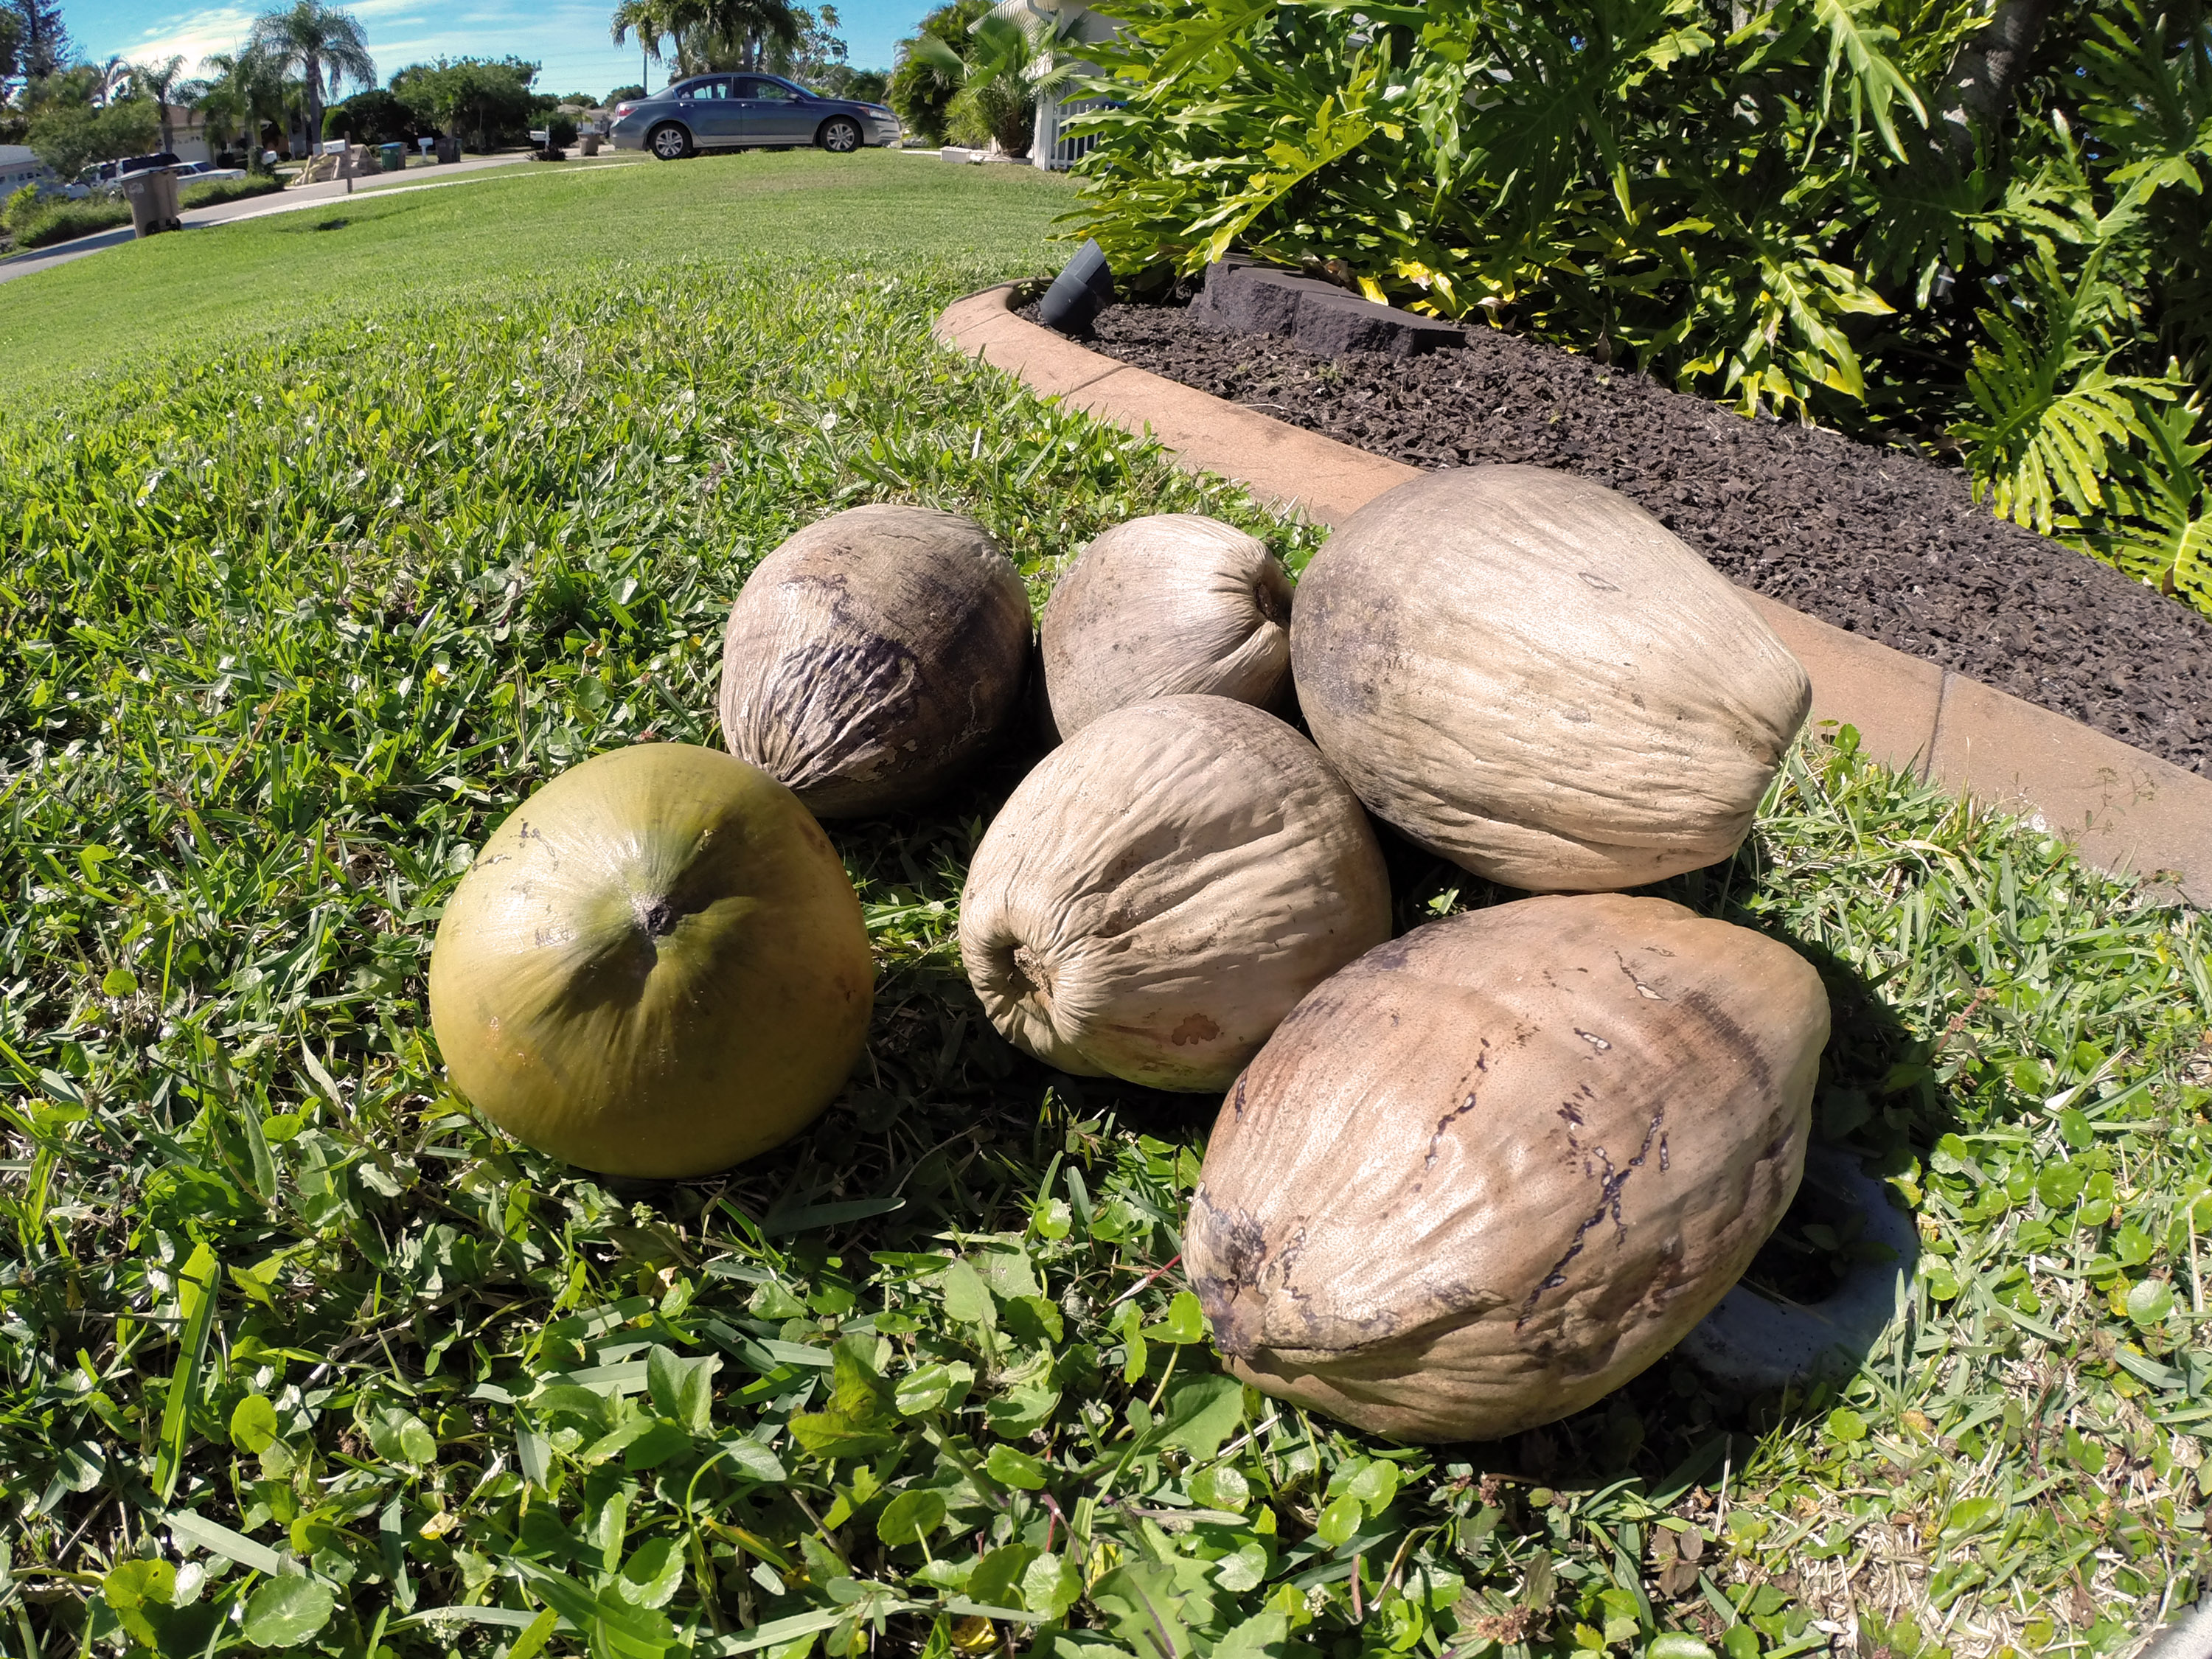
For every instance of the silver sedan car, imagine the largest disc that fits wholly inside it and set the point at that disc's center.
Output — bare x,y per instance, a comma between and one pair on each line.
745,110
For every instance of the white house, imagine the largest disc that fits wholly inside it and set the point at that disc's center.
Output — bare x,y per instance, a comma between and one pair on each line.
21,166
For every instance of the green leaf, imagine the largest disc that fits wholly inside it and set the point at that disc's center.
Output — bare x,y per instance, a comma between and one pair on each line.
1264,1631
1009,1467
1846,1425
1677,1644
133,1586
1376,1484
2060,1184
535,1635
1185,1321
1972,1515
119,982
911,1517
400,1437
1338,1521
196,1301
1202,1413
285,1612
253,1424
2151,1303
995,1576
967,1301
682,1390
652,1575
937,1386
861,1406
2132,1246
1140,1600
1051,1584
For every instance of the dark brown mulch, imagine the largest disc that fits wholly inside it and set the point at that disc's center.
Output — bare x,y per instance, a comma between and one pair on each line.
1876,541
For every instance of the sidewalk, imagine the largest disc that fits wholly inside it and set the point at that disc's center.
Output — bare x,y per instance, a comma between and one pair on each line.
293,201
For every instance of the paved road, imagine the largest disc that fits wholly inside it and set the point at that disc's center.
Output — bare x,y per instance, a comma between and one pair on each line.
290,201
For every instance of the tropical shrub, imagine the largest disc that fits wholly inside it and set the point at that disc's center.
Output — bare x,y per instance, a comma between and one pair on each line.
920,92
1849,210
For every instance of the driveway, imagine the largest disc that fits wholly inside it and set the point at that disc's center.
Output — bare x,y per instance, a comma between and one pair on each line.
290,201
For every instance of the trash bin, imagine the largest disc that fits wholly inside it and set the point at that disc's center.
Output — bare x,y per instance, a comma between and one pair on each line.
152,194
394,157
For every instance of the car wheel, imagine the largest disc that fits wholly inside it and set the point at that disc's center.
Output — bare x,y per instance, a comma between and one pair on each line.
839,135
669,142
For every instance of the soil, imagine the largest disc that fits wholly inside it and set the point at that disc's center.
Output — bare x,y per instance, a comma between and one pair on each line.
1879,542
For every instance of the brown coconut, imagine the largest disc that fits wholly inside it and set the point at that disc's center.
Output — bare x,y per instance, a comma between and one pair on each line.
873,655
1164,888
1529,675
1494,1168
1163,605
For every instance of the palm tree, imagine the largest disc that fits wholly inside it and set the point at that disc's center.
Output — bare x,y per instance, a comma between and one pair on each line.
327,46
1008,67
160,79
708,33
110,80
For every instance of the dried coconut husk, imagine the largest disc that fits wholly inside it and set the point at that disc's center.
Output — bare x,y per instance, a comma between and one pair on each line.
1163,889
1161,606
1494,1168
873,656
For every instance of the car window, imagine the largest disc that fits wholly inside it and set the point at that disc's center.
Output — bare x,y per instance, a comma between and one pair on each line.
774,90
715,89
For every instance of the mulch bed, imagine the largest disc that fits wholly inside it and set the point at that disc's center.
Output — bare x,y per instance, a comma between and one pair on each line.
1878,542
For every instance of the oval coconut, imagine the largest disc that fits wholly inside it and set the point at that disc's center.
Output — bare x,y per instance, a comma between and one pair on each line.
1495,1168
873,655
1164,888
1160,606
1529,675
656,966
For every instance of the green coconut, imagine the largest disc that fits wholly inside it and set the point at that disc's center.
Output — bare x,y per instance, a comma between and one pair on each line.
656,967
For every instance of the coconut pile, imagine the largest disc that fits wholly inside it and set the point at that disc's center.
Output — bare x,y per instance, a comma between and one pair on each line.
1462,1182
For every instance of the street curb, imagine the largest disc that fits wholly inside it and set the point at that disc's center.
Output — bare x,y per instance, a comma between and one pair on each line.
2121,810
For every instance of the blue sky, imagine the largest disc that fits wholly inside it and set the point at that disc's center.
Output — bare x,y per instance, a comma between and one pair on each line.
568,37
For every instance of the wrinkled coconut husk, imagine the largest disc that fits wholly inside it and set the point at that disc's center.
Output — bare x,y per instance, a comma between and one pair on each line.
1531,676
1494,1168
873,655
1164,888
1177,603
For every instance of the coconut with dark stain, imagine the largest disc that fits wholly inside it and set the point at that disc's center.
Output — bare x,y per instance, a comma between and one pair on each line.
1435,1207
873,656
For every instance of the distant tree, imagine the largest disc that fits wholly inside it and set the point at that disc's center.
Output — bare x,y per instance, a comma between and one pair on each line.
43,45
919,91
816,52
160,81
866,85
241,93
327,46
621,93
11,43
705,35
373,116
488,97
68,137
111,80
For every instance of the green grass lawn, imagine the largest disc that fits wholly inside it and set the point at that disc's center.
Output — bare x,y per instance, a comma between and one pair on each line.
358,535
520,232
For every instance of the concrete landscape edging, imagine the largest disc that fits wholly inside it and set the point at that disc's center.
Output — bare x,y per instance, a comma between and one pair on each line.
2121,809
